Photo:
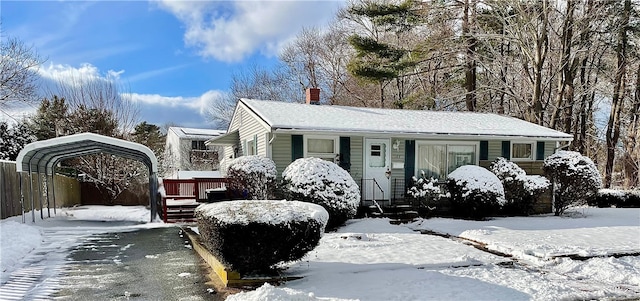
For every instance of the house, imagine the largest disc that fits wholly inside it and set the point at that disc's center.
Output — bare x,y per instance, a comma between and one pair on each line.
383,148
185,150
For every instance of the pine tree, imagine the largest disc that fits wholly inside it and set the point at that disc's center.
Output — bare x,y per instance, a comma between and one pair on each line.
13,139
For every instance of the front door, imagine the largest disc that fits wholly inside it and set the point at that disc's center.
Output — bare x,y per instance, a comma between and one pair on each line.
377,169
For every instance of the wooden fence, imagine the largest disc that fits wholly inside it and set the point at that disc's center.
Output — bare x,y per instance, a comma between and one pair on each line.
67,191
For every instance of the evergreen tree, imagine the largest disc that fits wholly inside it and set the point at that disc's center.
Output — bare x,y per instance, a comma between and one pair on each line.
13,139
382,56
51,119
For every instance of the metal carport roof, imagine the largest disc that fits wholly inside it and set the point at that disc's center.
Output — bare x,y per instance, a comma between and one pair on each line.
41,156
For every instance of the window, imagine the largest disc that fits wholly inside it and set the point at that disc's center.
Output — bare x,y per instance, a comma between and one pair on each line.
321,147
438,160
198,145
522,151
250,147
377,155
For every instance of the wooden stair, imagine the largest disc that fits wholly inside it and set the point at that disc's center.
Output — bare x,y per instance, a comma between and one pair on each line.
180,213
397,213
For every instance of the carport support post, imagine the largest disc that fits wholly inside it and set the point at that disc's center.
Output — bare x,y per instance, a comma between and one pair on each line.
153,191
53,189
46,183
33,202
21,197
40,191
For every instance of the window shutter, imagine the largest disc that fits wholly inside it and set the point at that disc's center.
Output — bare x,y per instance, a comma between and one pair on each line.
409,161
345,153
484,150
297,150
540,150
506,149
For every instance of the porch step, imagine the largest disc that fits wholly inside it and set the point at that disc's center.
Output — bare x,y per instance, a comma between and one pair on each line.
180,213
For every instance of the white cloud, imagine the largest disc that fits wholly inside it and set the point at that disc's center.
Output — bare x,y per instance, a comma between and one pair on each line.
71,75
231,31
199,104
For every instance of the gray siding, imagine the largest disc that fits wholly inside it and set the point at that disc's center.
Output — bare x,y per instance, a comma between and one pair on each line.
549,148
250,127
281,152
357,163
495,149
397,174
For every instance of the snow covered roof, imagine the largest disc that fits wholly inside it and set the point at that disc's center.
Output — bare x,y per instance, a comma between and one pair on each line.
327,118
195,134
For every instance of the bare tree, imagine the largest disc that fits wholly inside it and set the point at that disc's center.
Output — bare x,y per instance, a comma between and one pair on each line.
101,94
221,111
18,70
619,87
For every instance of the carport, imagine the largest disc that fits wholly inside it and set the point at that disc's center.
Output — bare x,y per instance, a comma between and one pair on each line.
41,157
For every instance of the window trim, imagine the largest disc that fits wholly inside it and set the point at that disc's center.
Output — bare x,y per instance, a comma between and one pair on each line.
336,146
418,143
532,157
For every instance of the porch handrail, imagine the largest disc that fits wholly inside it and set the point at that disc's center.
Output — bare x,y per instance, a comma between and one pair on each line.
373,193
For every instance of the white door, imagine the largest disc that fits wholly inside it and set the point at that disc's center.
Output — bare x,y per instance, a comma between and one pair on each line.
377,169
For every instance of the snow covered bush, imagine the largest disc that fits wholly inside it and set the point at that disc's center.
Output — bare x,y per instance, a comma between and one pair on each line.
425,190
633,199
521,191
609,197
618,198
475,192
252,177
324,183
251,236
575,178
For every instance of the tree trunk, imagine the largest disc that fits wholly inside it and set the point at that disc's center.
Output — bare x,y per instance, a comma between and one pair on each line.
564,95
632,155
470,82
541,48
617,100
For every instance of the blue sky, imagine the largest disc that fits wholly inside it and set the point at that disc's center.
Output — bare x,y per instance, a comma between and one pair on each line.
173,57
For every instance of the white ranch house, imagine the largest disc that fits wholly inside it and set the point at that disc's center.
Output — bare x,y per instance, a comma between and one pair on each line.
383,148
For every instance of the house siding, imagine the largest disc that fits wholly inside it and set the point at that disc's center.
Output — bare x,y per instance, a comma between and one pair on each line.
398,182
251,128
495,149
357,163
281,152
549,148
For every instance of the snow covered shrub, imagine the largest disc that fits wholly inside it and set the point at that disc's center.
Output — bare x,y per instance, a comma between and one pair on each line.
633,199
575,178
252,177
425,190
520,191
324,183
609,197
251,236
475,192
618,198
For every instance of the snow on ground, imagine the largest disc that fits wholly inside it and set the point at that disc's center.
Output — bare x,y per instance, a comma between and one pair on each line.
583,232
370,259
31,252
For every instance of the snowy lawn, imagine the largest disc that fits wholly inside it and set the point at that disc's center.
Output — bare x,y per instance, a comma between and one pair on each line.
370,259
583,232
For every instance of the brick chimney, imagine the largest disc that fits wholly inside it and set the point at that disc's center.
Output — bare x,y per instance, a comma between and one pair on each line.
313,96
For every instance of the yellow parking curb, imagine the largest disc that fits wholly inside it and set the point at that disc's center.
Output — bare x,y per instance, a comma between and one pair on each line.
229,278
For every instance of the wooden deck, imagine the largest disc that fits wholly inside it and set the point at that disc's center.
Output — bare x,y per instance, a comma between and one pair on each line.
182,196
